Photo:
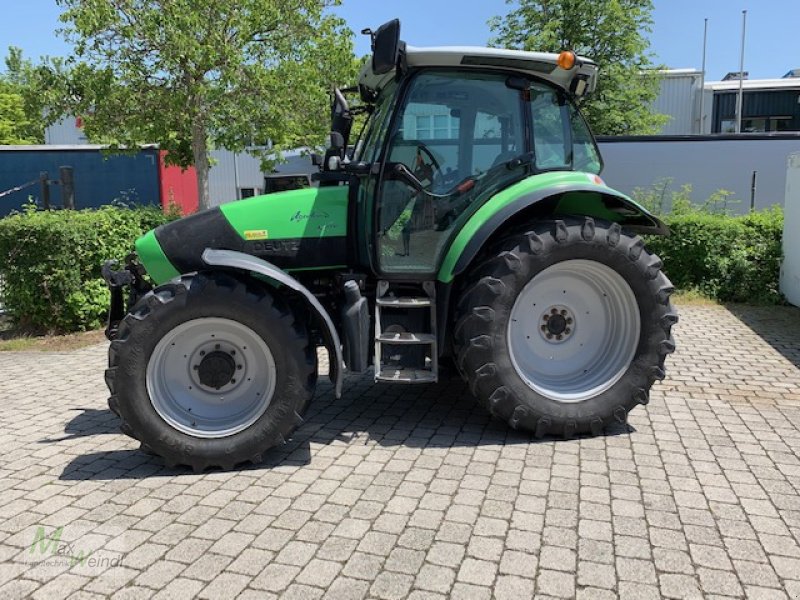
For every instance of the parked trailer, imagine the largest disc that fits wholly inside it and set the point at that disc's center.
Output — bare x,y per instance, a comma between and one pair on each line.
790,269
707,162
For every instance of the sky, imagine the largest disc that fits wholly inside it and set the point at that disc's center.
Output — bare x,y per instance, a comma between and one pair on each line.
676,41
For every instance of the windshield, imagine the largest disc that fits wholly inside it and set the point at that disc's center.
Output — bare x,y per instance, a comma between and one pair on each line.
369,147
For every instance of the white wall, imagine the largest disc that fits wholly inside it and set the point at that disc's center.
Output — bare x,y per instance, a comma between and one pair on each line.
707,164
232,171
790,269
64,133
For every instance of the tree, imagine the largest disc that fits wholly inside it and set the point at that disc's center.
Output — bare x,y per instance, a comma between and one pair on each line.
191,75
21,119
611,32
13,120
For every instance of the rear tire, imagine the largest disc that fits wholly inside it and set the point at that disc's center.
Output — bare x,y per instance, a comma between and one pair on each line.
608,338
210,371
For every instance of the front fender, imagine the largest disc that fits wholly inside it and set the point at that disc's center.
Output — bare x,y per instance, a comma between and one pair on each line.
545,196
245,262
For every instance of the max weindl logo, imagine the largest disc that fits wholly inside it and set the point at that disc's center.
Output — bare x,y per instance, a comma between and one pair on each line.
49,549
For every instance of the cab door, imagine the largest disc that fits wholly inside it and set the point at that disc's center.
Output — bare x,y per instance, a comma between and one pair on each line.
451,131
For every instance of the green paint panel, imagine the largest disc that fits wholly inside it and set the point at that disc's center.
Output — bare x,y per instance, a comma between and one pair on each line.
153,258
305,213
558,182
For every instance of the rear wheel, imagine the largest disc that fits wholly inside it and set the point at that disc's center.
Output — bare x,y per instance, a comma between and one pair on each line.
565,328
210,371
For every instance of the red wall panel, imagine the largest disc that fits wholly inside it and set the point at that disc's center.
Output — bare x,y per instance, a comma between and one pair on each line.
178,186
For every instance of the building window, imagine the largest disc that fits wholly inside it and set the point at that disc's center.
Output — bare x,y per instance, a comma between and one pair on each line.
780,124
754,125
757,125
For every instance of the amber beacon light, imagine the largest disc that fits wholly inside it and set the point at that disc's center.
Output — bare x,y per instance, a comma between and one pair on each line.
566,60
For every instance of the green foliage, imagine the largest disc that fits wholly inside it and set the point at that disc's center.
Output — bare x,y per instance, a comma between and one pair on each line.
611,32
730,259
13,121
50,263
21,119
192,75
660,199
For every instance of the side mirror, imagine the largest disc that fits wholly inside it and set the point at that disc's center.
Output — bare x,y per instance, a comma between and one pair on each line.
386,47
337,141
316,159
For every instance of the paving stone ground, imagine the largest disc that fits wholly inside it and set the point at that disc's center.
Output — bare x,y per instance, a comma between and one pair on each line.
395,492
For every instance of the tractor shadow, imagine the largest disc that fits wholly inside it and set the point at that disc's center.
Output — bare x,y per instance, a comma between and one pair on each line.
778,326
443,415
88,422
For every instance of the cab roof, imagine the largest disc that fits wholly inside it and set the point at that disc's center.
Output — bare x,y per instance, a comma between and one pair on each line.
540,64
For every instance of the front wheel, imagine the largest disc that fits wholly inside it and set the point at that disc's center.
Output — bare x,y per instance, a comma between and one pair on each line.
211,370
564,329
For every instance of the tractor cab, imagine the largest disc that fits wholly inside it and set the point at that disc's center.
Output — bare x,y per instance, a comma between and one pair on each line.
446,129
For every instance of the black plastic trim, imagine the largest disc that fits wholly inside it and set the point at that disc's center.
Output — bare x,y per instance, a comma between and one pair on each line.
184,241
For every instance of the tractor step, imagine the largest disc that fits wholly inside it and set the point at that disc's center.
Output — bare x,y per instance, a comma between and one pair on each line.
424,367
395,375
406,338
404,302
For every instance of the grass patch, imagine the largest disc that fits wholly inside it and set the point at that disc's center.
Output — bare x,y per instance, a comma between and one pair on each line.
693,297
50,343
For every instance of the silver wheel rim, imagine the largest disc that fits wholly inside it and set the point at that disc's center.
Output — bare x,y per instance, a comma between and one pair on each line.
573,330
178,380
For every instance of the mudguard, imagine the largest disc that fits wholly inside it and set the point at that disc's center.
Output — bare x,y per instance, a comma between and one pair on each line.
246,262
549,195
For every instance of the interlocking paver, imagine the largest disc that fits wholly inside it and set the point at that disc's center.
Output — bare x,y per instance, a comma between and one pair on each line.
414,492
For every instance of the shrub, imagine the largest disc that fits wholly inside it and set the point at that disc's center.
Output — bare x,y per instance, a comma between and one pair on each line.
731,259
50,263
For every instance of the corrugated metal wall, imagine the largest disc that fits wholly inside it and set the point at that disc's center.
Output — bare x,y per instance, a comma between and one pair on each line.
708,164
65,133
244,171
679,99
99,179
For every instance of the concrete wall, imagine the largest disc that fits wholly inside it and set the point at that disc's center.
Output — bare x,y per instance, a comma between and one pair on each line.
790,270
707,163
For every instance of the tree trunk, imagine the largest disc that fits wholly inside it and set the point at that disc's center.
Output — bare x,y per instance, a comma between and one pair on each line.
201,164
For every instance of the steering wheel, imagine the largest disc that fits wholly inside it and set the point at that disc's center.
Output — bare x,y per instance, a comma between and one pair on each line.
426,172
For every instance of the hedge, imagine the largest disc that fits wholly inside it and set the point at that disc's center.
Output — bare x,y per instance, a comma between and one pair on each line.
727,258
50,263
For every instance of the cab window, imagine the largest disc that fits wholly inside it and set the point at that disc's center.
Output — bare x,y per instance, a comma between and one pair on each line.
453,135
561,138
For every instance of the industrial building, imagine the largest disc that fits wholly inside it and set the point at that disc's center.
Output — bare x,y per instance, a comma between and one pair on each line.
768,105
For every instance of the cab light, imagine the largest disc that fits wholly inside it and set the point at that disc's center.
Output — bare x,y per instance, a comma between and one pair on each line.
566,60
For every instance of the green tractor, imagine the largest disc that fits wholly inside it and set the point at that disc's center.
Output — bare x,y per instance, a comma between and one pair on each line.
465,228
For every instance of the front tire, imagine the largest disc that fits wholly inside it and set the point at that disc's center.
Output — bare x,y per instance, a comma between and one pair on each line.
211,371
563,330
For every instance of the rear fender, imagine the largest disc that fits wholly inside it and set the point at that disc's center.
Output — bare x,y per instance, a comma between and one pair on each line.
569,198
245,262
